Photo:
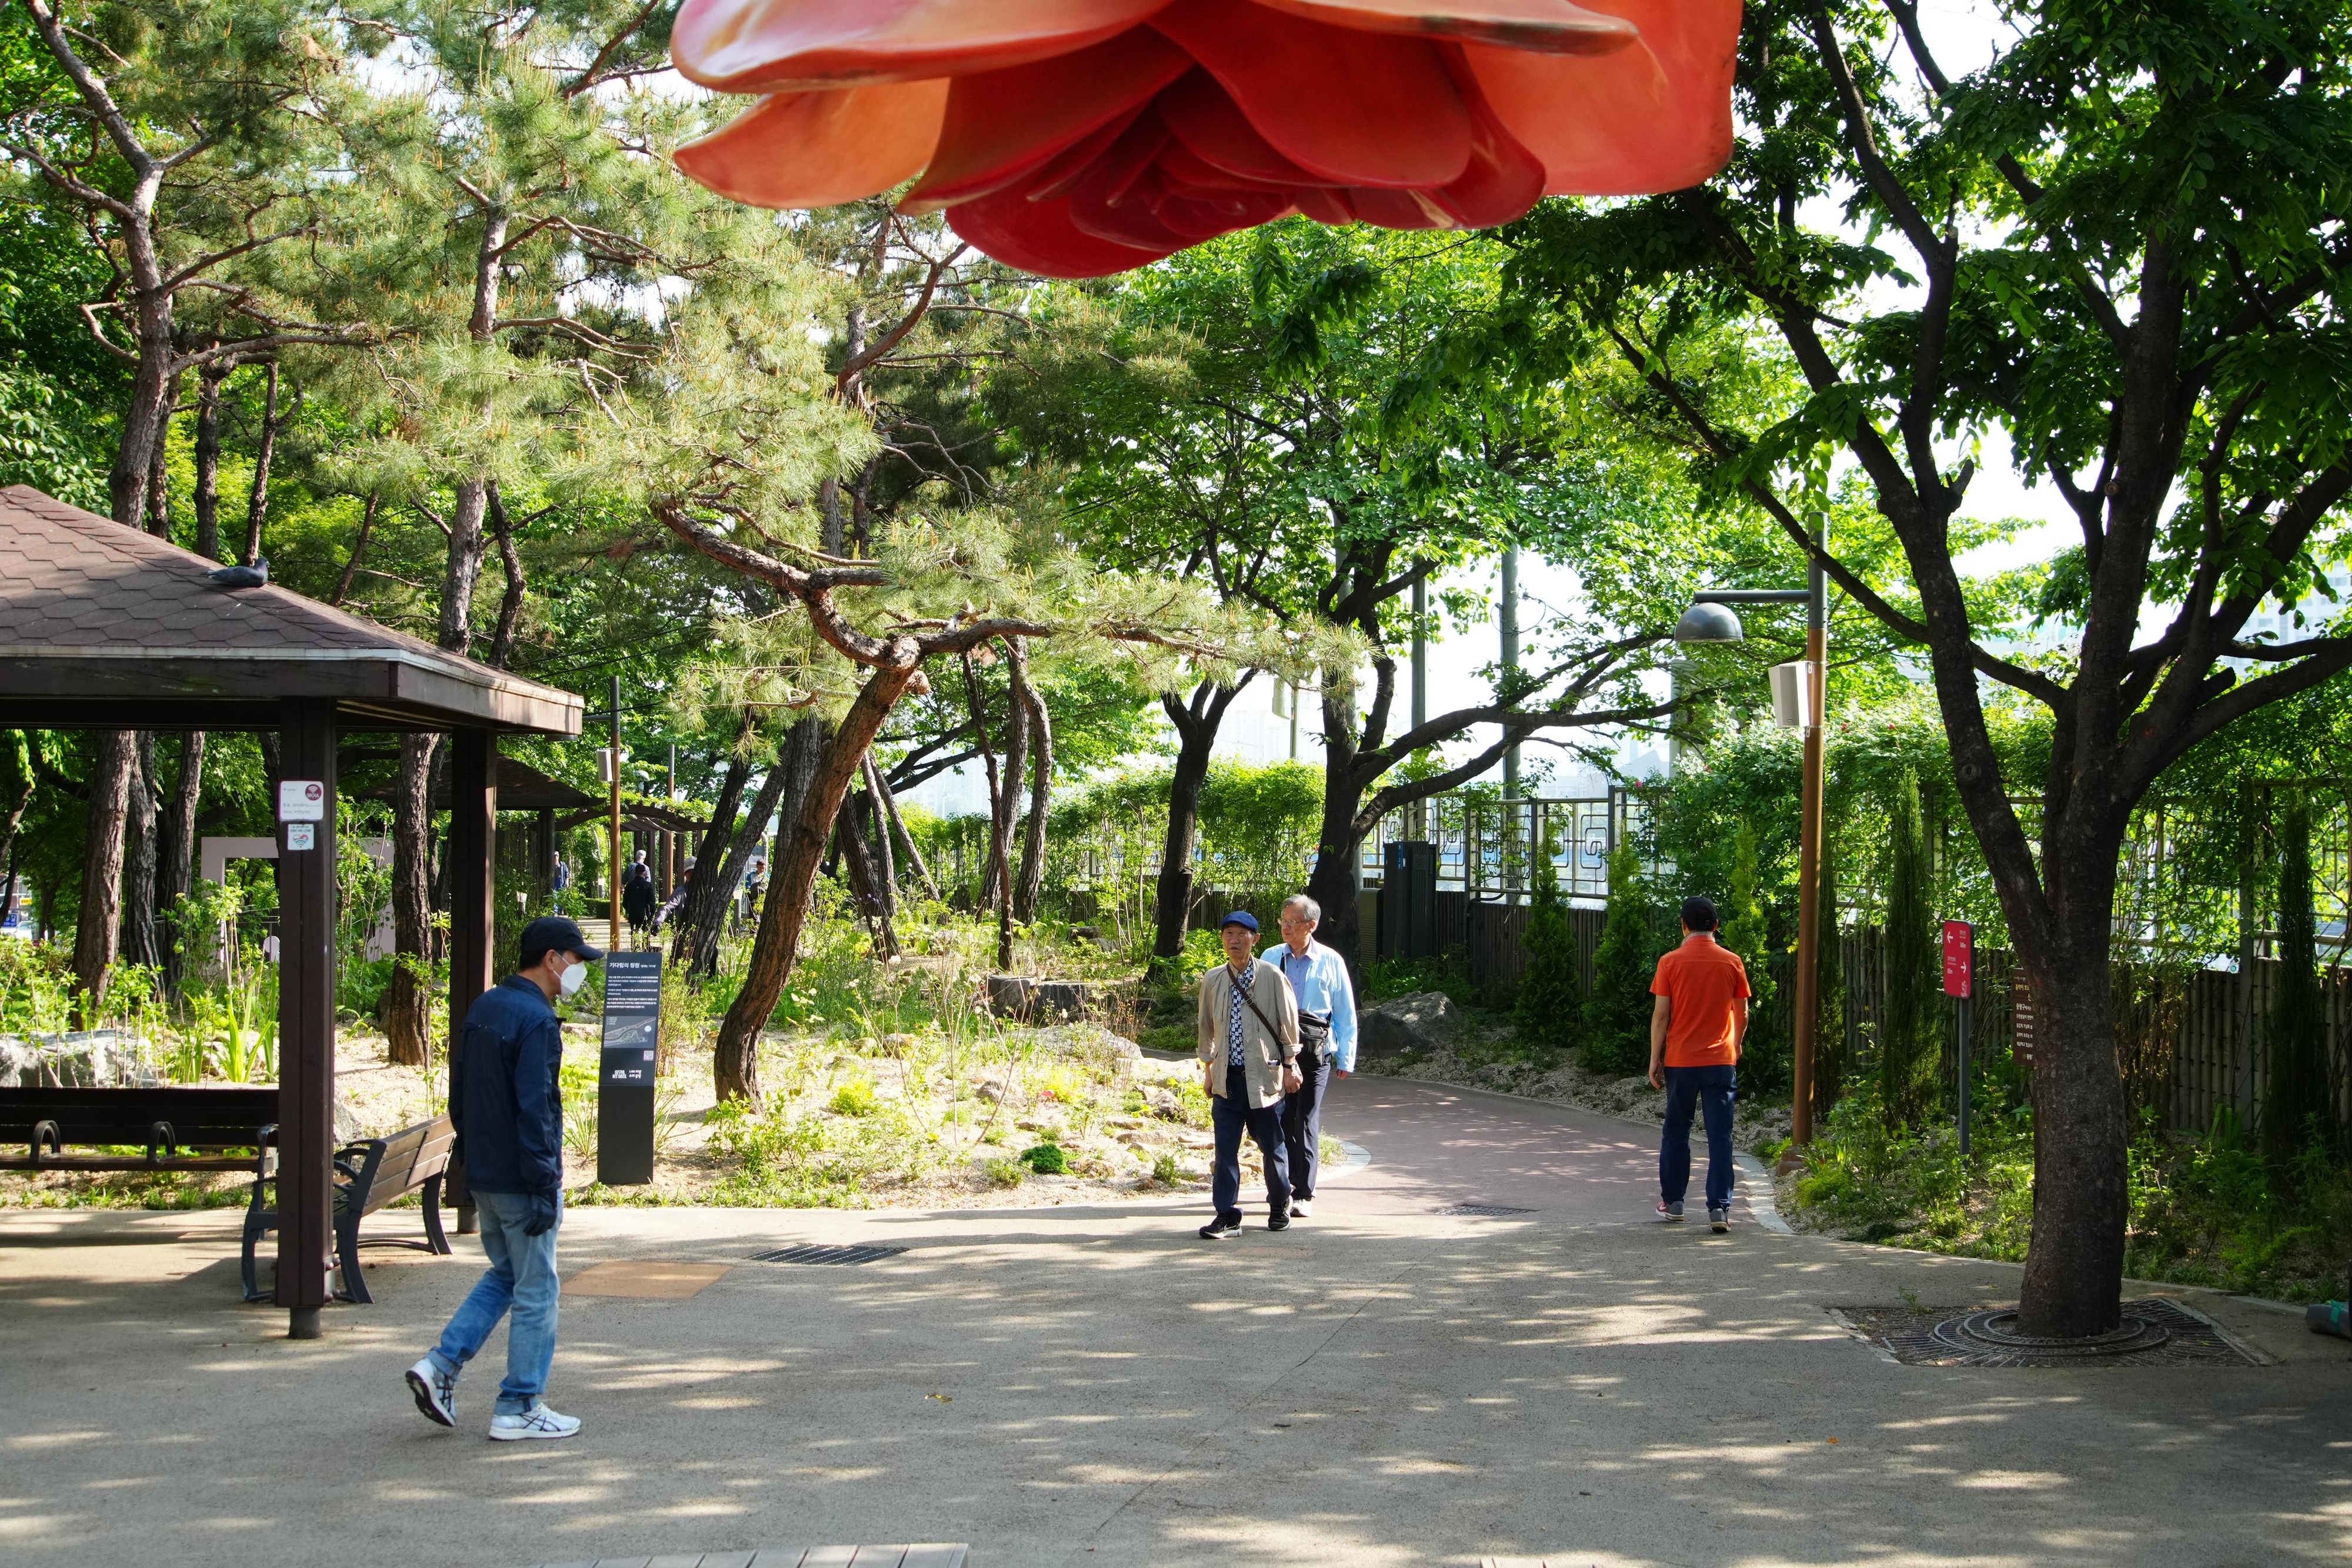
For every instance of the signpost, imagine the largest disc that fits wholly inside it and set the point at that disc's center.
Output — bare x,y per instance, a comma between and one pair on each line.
1961,980
625,1076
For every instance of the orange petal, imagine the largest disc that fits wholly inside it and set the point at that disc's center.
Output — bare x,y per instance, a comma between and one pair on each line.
1038,236
1198,214
1546,27
748,45
821,148
1654,117
1504,179
1000,124
1355,107
1393,209
1206,122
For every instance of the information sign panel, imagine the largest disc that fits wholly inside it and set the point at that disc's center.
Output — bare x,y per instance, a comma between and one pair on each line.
1960,958
301,800
625,1089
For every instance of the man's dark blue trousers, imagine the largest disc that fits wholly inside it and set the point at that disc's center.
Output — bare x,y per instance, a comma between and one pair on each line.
1228,1116
1690,1089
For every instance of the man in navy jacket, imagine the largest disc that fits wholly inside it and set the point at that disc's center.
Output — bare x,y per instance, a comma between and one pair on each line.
507,1106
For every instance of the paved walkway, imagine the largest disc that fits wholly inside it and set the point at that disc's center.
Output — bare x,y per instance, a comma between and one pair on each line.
1379,1386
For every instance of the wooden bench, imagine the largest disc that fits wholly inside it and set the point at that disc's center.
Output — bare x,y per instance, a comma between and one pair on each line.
369,1175
170,1124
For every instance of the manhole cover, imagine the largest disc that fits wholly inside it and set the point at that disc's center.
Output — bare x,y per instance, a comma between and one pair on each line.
827,1255
1491,1209
2156,1331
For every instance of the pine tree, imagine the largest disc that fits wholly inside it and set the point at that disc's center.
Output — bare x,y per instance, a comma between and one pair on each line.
2296,1108
1617,1012
1829,995
1909,1035
1551,996
1764,1056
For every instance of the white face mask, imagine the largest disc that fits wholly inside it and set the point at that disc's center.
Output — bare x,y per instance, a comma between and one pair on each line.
574,977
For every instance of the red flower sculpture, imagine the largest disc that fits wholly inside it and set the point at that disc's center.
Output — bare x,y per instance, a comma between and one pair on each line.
1077,137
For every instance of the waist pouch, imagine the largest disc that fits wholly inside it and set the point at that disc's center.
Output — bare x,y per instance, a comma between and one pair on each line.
1314,1034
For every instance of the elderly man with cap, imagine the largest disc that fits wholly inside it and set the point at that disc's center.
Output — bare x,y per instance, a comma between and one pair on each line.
1249,1061
509,1113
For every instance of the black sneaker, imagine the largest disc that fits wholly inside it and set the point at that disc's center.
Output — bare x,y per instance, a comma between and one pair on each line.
1672,1213
1278,1222
1217,1229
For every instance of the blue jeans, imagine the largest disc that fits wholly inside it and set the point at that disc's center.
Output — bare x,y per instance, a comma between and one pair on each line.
522,1276
1229,1117
1687,1088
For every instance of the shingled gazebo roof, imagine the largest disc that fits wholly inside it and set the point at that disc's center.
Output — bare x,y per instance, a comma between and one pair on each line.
104,627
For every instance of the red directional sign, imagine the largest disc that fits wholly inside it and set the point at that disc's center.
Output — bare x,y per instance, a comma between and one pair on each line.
1960,957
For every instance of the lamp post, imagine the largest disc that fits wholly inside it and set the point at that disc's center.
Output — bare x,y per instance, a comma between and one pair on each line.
1710,618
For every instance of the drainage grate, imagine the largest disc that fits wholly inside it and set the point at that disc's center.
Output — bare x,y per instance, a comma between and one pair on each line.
827,1255
2156,1332
1491,1210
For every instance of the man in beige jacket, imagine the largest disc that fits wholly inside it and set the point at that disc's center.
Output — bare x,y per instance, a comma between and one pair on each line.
1249,1055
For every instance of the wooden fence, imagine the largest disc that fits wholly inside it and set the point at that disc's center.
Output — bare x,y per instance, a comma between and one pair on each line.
2190,1041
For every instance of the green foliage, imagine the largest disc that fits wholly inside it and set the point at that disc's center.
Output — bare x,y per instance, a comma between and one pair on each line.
1764,1058
1045,1159
2299,1108
855,1097
1910,1036
1617,1012
1552,995
1005,1173
1830,1066
1166,1171
1444,972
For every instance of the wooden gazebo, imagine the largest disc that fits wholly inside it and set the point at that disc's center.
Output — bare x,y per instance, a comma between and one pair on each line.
104,627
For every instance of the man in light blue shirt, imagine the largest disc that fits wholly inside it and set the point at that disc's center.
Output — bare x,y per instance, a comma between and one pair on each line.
1318,980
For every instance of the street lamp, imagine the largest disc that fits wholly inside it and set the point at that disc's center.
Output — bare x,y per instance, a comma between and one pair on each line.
1709,619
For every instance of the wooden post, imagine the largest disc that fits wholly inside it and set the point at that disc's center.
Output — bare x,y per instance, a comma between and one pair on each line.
1811,916
306,1021
473,881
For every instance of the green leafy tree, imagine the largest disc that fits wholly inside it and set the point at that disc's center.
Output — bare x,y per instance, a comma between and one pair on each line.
1830,1064
1552,995
1910,1033
2118,245
2299,1106
1617,1011
1746,930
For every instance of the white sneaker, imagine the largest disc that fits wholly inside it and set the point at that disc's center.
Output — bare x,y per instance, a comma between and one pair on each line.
435,1391
539,1421
1303,1209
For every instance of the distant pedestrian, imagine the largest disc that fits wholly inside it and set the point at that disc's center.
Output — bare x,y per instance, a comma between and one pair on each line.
1249,1050
668,911
561,882
754,882
638,899
509,1111
1696,1028
1327,1040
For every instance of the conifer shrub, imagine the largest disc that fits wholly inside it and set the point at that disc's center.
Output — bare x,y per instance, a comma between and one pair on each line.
1910,1036
1617,1012
1764,1061
1552,995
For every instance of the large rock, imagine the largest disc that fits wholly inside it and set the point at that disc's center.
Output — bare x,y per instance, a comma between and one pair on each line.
1423,1021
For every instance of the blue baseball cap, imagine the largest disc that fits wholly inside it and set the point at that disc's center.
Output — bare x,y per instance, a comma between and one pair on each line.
1241,917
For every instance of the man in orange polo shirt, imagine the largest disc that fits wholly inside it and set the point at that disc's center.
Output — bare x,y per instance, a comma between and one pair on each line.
1695,1029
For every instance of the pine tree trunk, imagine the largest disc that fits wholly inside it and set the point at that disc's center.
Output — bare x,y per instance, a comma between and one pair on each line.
1197,722
175,848
736,1060
707,895
208,451
139,942
406,1020
1029,886
99,920
794,759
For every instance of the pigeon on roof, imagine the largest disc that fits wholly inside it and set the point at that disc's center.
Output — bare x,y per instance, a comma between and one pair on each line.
254,576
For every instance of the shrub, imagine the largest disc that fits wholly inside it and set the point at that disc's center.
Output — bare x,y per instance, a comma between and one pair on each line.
1166,1171
1910,1036
1551,996
1046,1159
856,1097
1617,1013
1006,1173
1764,1059
2298,1109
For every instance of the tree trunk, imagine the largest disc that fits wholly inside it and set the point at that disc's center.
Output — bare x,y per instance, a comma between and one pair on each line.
139,943
2074,1263
1031,884
257,507
510,601
465,569
9,841
887,859
736,1059
706,895
175,848
1003,794
209,381
794,760
857,863
359,549
145,414
914,850
100,915
407,1026
1197,722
